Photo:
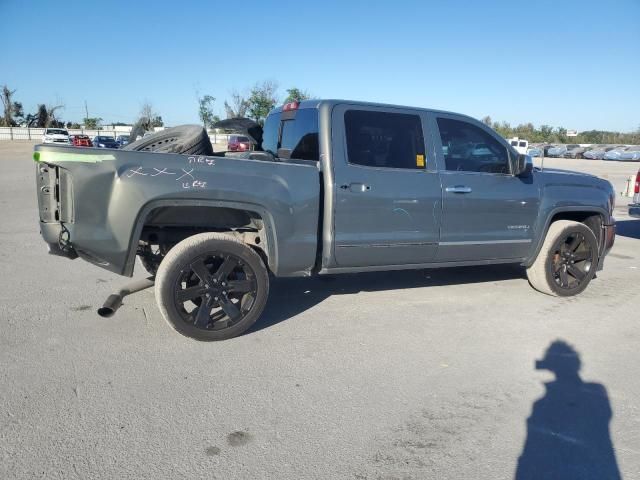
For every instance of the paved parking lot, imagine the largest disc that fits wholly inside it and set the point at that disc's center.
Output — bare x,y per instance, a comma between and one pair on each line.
407,375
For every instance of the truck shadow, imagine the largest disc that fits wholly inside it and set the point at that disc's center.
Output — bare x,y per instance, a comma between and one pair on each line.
628,228
289,297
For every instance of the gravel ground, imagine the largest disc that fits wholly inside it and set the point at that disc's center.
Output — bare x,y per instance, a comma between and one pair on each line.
407,375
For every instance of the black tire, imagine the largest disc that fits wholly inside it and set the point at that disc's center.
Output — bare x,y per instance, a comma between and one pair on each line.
223,304
567,260
186,139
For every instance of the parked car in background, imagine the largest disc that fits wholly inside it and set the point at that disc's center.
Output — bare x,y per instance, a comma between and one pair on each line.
81,141
614,154
56,135
534,152
546,148
575,152
122,140
238,143
631,154
597,153
557,151
104,142
634,208
521,145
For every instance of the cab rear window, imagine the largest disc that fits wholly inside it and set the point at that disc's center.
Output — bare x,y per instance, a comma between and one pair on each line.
295,137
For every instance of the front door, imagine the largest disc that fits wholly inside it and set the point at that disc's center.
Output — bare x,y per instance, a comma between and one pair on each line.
487,213
387,203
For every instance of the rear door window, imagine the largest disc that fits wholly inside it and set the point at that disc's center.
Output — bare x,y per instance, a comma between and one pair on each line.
384,139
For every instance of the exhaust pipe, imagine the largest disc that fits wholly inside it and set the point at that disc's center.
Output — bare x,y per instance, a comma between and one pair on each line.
114,302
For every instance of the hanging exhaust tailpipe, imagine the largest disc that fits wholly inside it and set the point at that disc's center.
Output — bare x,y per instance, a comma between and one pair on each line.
114,302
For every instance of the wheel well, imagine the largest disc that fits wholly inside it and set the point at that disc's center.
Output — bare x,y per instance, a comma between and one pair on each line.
590,219
169,225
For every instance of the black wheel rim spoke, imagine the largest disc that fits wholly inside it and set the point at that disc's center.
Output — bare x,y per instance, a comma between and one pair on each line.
191,293
582,256
242,286
228,264
229,308
202,315
576,272
564,278
201,270
575,243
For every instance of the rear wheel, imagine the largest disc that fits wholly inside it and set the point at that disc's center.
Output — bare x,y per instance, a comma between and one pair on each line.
211,287
567,260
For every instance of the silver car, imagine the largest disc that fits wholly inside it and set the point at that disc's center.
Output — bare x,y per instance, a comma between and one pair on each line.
614,154
631,154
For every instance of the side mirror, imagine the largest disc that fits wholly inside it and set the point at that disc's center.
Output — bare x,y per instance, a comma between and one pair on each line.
524,166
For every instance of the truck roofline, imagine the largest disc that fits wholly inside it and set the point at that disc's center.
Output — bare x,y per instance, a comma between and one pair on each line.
316,103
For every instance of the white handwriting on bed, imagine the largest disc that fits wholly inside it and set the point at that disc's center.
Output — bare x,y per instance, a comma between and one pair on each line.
203,160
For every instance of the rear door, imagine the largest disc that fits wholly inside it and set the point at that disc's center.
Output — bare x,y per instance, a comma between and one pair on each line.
387,203
487,213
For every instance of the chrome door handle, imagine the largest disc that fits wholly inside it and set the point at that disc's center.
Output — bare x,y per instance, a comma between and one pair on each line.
458,189
356,187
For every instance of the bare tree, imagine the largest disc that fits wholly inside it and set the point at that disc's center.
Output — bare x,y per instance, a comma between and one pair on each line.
8,106
51,114
238,106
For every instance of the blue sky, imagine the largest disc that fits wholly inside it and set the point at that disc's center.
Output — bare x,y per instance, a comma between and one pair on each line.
565,63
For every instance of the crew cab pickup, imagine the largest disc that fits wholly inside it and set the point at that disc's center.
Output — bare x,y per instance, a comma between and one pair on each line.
333,187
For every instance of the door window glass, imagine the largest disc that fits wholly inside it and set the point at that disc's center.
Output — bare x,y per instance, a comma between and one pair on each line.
383,139
469,148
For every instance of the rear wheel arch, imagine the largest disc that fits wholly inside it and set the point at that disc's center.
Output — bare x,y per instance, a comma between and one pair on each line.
252,224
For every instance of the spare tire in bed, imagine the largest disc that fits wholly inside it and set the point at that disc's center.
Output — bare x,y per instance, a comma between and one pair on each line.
187,139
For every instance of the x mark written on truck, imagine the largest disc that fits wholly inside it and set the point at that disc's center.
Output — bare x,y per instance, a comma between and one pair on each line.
331,187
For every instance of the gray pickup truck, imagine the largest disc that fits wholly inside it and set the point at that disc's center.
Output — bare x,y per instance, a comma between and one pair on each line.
331,187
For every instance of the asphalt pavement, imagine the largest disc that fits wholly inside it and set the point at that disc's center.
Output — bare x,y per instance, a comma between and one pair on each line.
396,375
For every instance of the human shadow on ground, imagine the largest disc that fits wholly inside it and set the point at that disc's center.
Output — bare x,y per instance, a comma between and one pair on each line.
289,297
628,228
568,431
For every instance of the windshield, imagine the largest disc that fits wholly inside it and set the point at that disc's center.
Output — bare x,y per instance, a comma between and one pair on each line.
104,139
56,131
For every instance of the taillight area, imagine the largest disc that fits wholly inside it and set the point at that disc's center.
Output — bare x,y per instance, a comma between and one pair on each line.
637,187
287,107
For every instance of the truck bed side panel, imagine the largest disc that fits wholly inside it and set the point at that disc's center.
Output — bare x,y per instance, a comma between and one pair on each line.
110,190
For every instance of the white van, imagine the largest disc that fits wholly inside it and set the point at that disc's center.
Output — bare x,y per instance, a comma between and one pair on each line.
519,144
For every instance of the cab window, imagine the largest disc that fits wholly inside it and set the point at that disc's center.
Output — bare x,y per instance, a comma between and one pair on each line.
468,148
384,139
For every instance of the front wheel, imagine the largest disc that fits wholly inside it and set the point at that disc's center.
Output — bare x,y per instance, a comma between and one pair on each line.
567,260
211,286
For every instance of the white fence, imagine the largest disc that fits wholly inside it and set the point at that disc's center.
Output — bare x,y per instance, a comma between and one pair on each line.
24,133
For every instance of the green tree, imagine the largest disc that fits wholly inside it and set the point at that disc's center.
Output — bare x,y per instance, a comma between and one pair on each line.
157,121
92,123
294,94
262,99
205,110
